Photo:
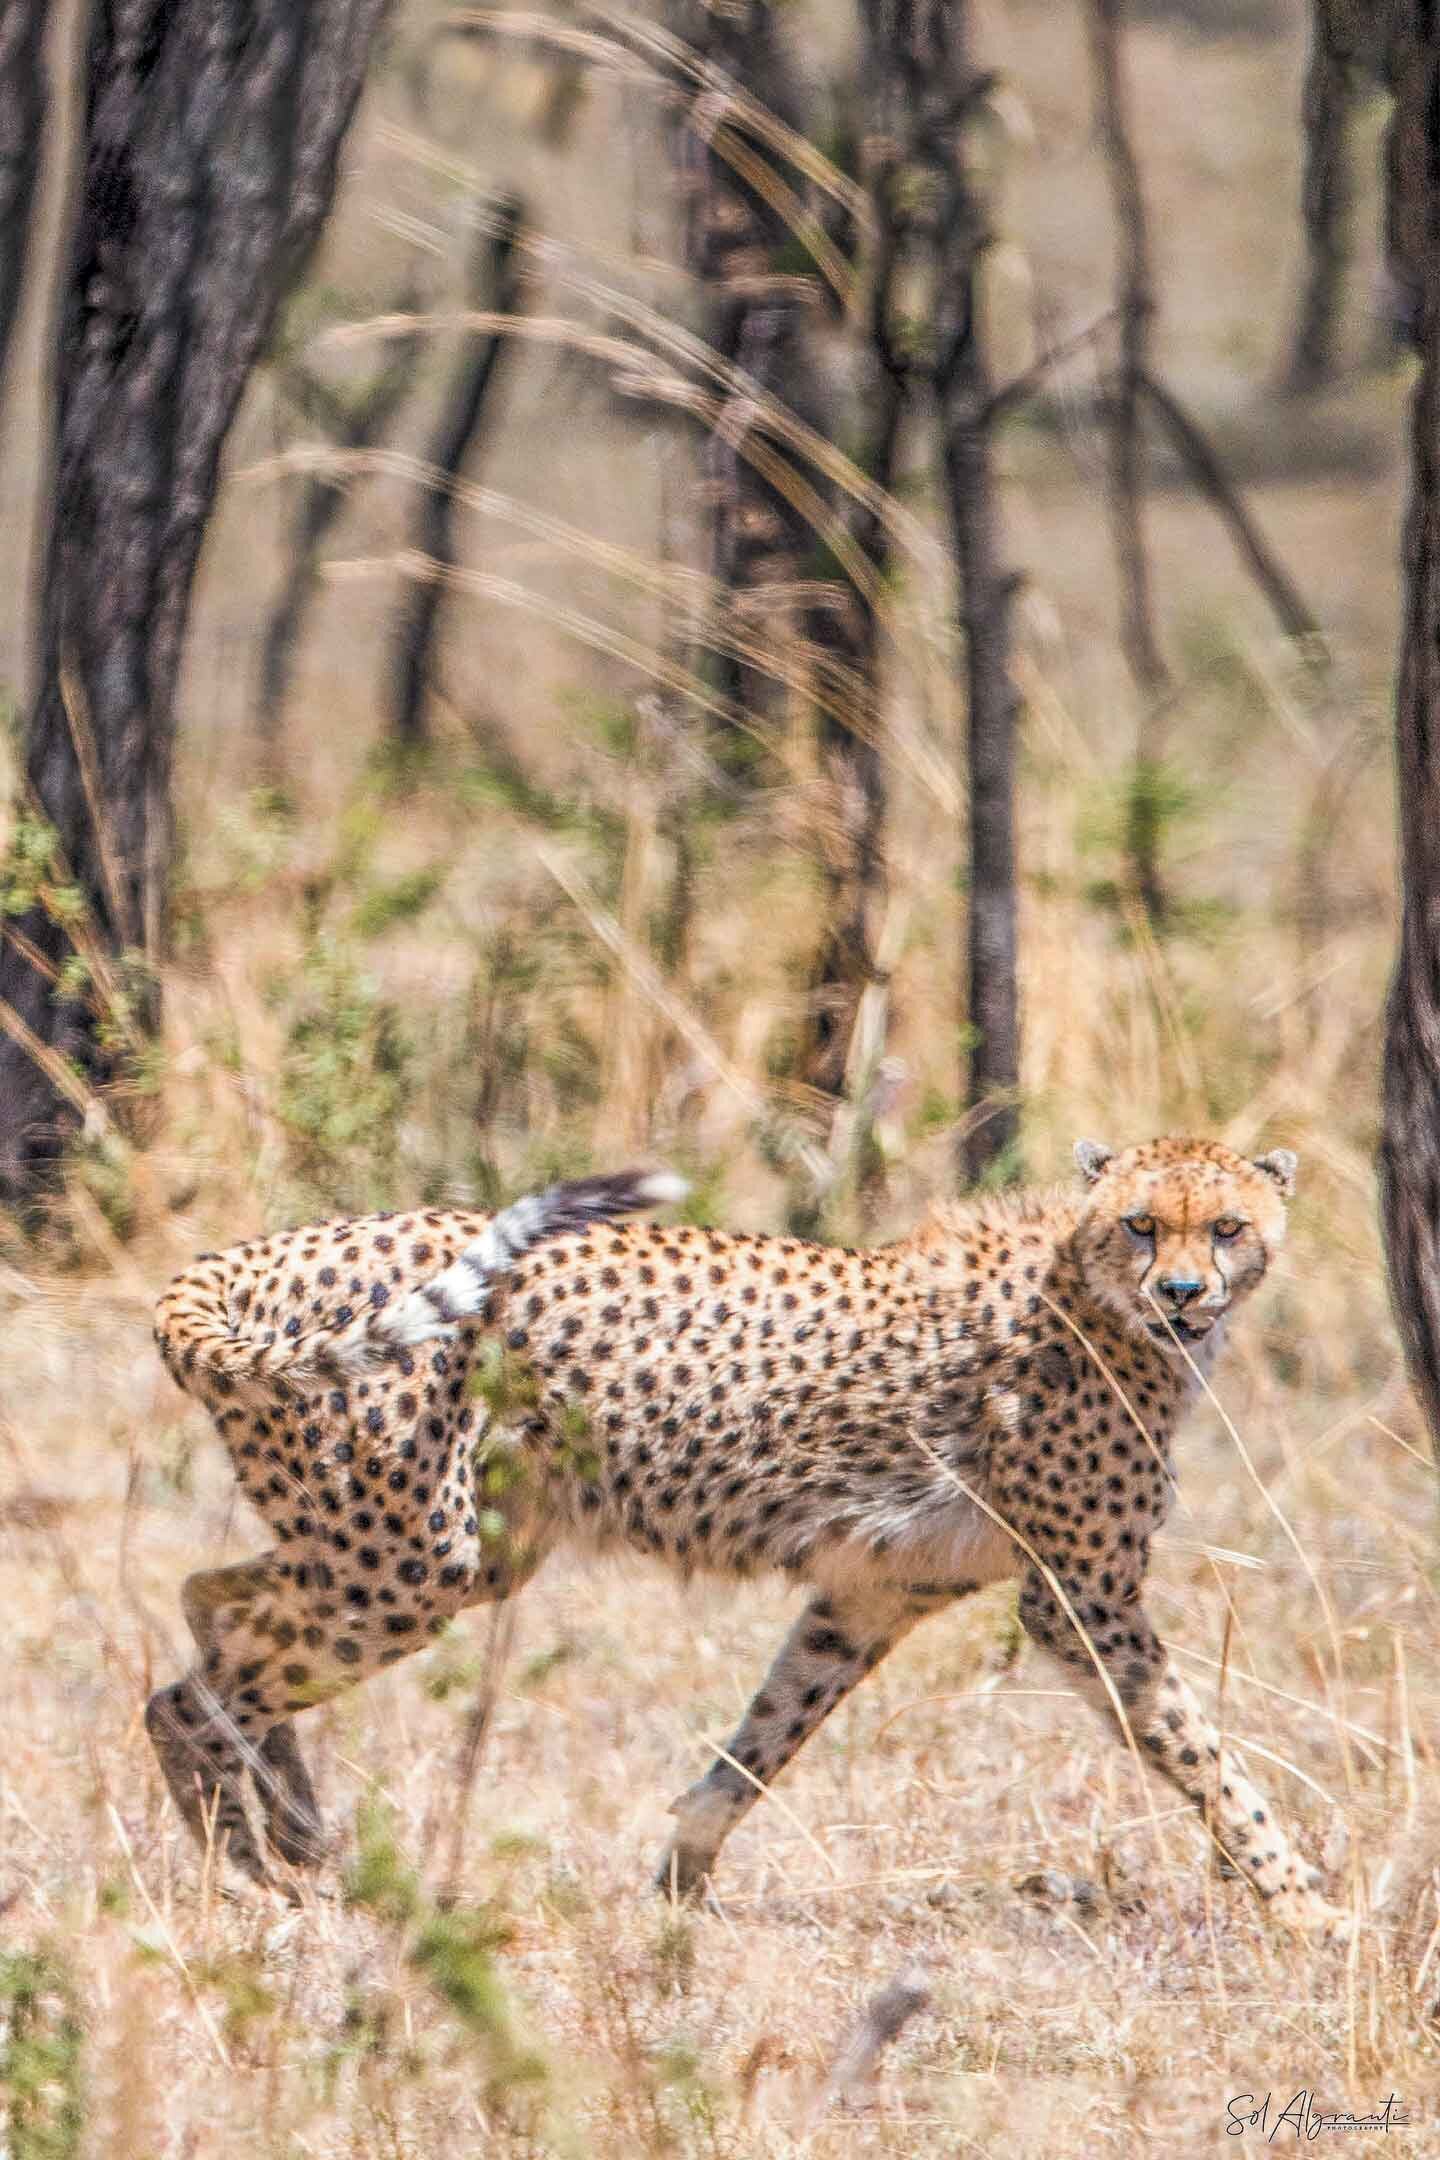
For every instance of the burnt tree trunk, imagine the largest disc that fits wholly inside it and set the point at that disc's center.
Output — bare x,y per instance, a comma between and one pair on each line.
1409,1161
1406,233
1326,199
845,636
22,120
211,137
846,632
1135,297
754,316
761,297
932,234
992,1076
495,288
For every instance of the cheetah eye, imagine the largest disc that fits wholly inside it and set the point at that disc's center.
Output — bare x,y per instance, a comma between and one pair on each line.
1229,1226
1141,1225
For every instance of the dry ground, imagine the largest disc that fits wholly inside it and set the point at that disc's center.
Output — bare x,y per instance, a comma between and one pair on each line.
902,1839
563,2010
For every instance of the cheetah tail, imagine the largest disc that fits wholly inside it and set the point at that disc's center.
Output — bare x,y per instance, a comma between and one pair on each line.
199,1340
435,1310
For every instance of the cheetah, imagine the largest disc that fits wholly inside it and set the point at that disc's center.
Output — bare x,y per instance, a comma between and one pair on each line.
421,1405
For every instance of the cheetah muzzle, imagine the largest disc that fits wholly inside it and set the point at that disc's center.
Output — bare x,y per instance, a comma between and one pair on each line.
421,1405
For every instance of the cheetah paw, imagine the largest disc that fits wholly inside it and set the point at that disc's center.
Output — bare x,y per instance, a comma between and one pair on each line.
1305,1912
684,1874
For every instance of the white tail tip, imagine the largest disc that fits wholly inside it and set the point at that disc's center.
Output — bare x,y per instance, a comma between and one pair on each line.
663,1188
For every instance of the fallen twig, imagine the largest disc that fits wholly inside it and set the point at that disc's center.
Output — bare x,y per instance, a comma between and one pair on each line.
882,2020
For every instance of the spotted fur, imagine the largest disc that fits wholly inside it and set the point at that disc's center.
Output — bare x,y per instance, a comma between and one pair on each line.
994,1396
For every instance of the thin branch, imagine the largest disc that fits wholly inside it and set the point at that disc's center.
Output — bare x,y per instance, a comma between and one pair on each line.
1024,385
497,269
354,424
1203,463
499,1643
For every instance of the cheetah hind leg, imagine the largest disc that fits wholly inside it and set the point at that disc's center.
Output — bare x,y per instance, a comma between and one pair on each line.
202,1757
294,1826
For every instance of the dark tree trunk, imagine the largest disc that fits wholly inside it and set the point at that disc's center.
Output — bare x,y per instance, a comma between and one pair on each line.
846,639
754,316
22,121
495,288
951,88
1135,299
932,226
759,310
848,633
1326,199
992,1080
1406,211
1409,1160
209,158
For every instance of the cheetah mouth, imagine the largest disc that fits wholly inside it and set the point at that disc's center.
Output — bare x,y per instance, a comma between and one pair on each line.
1165,1331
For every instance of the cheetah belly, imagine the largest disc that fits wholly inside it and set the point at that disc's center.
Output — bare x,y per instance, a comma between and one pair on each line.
956,1551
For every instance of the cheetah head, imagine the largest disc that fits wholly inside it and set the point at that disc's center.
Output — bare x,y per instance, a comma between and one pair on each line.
1174,1232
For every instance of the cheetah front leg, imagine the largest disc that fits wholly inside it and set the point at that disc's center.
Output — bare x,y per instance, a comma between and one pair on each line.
834,1643
1169,1724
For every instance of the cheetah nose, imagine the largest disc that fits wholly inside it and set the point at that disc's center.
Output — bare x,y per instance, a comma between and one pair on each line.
1179,1289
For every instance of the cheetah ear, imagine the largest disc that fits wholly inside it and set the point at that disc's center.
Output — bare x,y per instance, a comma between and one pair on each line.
1091,1156
1280,1167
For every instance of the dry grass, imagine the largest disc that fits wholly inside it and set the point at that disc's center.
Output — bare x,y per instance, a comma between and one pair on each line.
900,1839
392,990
